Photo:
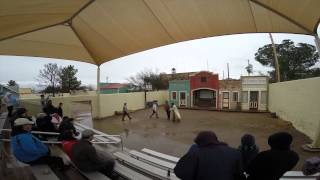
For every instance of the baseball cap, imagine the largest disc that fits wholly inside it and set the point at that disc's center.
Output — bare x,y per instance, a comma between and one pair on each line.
22,121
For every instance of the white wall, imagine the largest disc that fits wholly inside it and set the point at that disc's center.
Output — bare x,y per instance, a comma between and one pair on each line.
298,102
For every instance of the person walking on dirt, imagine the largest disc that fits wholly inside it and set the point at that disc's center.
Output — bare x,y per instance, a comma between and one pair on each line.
167,109
125,112
175,113
154,110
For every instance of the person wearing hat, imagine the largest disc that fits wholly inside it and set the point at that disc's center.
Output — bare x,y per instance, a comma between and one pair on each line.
248,149
19,113
209,159
273,163
87,159
29,149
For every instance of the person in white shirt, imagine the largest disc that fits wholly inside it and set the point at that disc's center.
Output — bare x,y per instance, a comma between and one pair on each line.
154,110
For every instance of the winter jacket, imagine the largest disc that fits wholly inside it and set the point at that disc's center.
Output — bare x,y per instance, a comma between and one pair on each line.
85,157
60,111
27,148
273,163
67,146
218,162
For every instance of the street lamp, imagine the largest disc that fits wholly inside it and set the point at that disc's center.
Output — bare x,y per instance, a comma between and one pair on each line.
147,87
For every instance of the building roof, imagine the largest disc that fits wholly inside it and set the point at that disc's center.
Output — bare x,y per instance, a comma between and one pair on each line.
25,91
113,86
230,84
97,31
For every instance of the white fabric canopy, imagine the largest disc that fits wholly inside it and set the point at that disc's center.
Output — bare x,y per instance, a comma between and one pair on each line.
97,31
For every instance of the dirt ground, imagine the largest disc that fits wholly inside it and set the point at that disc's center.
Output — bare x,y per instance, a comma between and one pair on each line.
175,138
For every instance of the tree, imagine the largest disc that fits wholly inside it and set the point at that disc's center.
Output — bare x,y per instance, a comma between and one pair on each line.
147,77
295,61
12,83
49,75
68,80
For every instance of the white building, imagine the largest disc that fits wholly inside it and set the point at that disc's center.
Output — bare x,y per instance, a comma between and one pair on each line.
254,93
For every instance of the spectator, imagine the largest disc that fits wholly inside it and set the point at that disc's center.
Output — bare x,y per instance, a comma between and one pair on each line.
44,123
66,125
154,110
60,110
8,100
125,112
50,109
56,120
273,163
311,166
248,149
43,100
20,113
211,159
29,149
68,140
86,158
167,109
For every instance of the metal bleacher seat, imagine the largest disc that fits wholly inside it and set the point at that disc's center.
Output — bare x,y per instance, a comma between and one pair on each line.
298,175
129,173
152,160
43,172
144,167
160,155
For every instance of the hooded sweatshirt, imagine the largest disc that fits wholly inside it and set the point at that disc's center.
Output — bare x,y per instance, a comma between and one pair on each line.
210,159
273,163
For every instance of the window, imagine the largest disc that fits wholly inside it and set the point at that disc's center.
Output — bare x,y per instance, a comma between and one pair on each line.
235,96
225,95
263,97
203,79
174,95
244,95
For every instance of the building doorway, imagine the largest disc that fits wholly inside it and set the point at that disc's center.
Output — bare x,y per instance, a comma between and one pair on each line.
204,98
254,99
225,100
182,99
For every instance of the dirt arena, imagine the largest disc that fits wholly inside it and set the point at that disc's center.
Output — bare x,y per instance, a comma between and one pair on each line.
175,138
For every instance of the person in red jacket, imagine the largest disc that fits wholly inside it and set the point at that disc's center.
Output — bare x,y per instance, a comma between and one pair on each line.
68,141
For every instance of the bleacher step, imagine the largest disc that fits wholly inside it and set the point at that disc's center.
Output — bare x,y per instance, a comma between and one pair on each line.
142,166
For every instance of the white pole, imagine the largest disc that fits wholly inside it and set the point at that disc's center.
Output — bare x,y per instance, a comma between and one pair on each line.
276,63
317,41
98,92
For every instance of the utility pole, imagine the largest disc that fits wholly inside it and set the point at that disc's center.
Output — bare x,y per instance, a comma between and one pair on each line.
228,71
276,63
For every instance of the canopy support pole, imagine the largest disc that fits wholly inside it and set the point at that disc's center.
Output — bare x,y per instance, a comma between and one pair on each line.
317,42
98,91
276,62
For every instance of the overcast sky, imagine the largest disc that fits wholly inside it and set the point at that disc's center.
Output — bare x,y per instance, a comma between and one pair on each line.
204,54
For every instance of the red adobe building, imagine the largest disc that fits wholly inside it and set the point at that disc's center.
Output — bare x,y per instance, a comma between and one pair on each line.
204,89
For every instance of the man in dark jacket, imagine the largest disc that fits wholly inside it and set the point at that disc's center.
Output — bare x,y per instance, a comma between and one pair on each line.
209,159
60,110
273,163
85,156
